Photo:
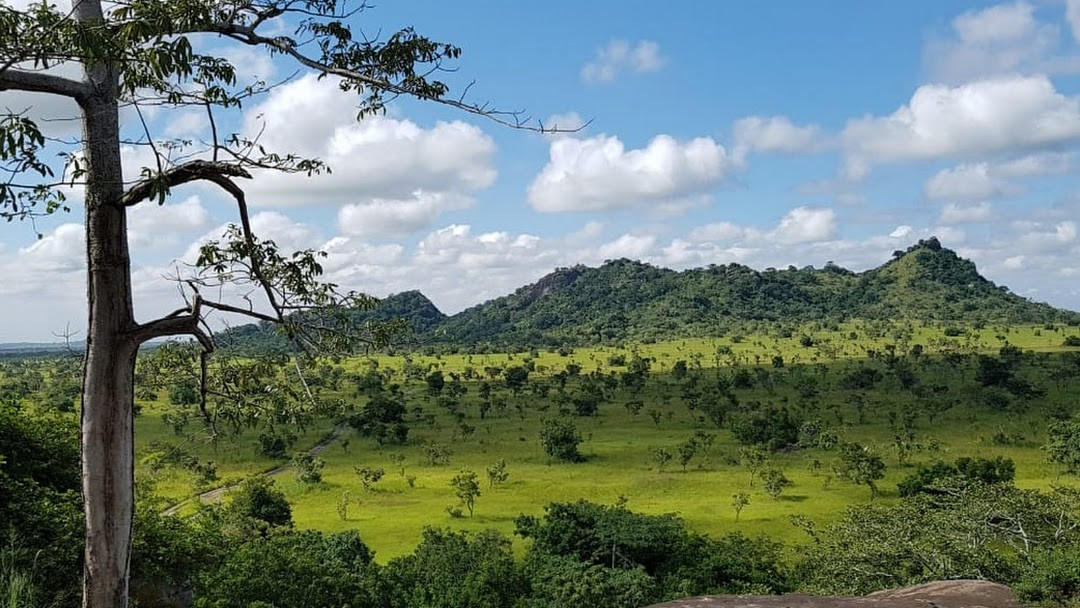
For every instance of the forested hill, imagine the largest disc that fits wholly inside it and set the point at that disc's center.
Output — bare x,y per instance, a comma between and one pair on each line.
625,299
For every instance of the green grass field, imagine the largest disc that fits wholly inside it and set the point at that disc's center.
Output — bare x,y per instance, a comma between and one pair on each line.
618,444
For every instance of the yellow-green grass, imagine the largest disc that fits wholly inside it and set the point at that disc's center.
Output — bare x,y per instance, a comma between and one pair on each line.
618,445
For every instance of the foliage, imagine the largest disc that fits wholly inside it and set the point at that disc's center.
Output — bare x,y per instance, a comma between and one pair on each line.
466,488
292,569
560,440
497,473
258,499
974,532
860,466
934,478
565,582
659,546
1052,577
455,570
1063,443
40,504
308,468
770,428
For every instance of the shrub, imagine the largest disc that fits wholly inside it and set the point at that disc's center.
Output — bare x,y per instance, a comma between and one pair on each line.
560,440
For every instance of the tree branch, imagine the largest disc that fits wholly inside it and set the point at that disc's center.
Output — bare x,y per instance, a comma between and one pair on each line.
37,82
190,171
247,35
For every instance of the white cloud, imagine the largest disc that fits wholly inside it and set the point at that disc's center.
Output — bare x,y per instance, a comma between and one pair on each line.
1015,262
1000,39
160,225
967,182
901,232
389,218
61,250
985,180
599,173
985,117
774,134
620,55
628,246
1072,15
566,125
954,213
379,157
805,225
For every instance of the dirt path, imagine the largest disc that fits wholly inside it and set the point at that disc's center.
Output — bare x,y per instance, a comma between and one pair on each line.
217,494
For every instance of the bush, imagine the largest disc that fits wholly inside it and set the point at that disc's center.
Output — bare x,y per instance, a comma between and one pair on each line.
1073,341
770,428
560,440
927,480
565,582
1054,576
293,570
257,498
456,570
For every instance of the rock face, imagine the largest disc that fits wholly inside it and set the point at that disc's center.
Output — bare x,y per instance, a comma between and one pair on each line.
941,594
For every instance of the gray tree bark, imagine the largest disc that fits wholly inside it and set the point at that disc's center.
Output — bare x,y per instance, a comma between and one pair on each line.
108,379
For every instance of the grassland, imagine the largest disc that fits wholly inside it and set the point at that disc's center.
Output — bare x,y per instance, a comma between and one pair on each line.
619,445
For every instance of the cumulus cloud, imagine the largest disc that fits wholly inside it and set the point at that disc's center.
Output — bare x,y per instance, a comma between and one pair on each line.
151,225
397,217
775,134
967,182
986,180
599,173
380,157
805,225
1000,39
979,118
61,250
619,56
798,226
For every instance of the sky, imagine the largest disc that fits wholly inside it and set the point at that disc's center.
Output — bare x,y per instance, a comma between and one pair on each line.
763,133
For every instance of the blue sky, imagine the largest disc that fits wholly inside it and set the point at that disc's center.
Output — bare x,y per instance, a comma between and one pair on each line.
765,133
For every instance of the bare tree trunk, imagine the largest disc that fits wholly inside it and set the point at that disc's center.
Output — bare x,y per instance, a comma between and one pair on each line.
108,379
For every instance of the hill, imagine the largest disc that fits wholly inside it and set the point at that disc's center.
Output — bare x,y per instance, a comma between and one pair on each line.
625,299
421,318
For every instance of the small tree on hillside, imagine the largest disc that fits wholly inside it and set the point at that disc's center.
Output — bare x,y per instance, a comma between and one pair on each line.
739,502
860,466
560,440
466,488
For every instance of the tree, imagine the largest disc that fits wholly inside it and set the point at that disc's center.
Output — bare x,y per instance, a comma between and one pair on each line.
860,466
466,488
497,473
369,476
1063,444
774,481
257,498
560,439
739,502
148,53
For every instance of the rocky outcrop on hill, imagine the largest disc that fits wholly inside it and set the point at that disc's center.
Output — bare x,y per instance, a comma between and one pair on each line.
940,594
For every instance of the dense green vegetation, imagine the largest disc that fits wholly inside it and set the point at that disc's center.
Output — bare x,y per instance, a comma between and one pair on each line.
627,300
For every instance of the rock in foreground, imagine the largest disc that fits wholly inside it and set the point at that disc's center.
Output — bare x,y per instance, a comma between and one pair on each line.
940,594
